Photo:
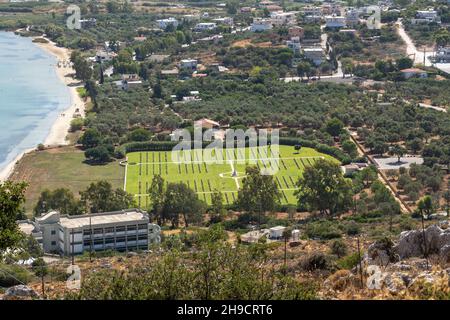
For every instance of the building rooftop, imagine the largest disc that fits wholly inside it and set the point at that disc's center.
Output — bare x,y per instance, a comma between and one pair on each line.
26,227
102,218
412,70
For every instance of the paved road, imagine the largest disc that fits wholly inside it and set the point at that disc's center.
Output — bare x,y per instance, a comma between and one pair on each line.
418,55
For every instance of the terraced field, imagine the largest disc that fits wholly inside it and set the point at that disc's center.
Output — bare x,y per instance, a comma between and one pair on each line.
204,176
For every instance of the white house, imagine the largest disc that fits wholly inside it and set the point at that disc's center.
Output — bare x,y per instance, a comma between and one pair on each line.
226,21
284,18
130,81
188,63
104,56
205,26
260,25
335,21
164,23
316,55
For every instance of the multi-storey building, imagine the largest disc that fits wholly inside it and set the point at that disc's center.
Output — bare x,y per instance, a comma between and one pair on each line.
125,230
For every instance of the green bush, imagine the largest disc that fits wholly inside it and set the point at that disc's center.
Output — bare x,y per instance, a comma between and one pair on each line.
339,248
12,275
348,262
315,261
323,229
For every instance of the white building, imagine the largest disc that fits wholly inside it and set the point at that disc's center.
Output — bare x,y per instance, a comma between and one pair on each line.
284,18
294,44
164,23
205,26
426,16
121,230
226,21
188,63
104,56
335,22
276,232
316,55
130,81
260,25
352,17
443,54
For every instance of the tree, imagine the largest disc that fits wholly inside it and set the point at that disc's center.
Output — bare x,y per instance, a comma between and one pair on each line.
398,151
82,68
12,197
334,127
350,148
323,187
100,197
181,200
157,197
425,206
339,248
303,68
99,154
404,63
40,269
140,134
368,175
442,37
60,199
259,193
90,139
217,208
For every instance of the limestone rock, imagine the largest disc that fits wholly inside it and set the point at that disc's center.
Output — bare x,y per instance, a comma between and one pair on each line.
20,292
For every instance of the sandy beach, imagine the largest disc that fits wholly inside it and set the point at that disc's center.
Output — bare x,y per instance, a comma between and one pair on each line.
61,126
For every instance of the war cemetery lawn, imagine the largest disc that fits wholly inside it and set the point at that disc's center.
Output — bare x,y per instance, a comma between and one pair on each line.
204,177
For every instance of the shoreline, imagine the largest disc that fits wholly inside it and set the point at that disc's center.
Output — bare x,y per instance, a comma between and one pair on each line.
60,127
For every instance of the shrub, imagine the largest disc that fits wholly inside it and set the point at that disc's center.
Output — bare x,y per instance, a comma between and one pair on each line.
315,261
323,229
12,275
76,124
348,262
339,248
352,228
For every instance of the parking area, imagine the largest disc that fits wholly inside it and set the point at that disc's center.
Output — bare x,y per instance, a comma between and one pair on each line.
392,163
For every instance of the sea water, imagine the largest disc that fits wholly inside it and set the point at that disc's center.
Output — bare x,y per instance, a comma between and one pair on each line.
31,95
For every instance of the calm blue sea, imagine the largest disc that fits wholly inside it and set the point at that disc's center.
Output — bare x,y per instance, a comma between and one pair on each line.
31,95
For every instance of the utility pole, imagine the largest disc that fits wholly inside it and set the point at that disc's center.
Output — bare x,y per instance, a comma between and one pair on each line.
424,57
360,263
90,228
73,247
42,281
425,251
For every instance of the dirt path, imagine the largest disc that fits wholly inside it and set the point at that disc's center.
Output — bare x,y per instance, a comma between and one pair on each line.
404,207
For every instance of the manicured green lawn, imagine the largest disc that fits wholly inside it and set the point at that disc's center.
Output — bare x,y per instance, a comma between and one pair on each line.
204,177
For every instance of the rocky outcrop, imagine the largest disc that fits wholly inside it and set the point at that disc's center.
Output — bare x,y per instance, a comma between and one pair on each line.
380,253
20,292
412,244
